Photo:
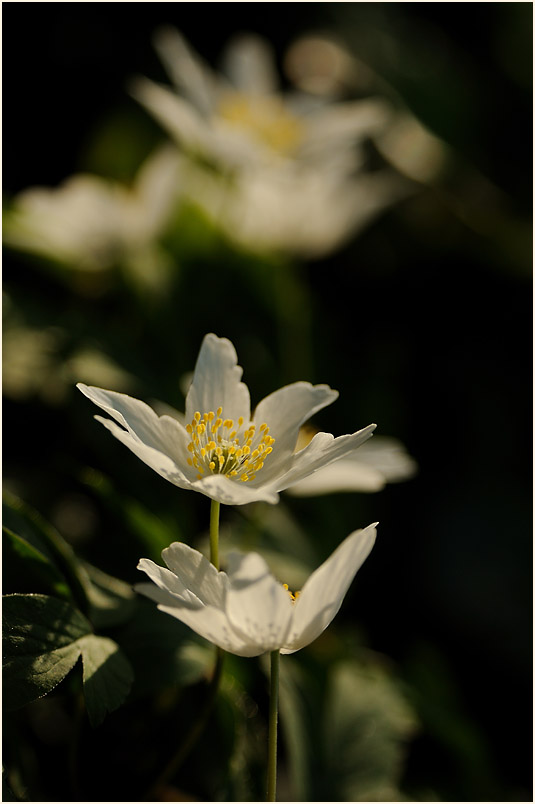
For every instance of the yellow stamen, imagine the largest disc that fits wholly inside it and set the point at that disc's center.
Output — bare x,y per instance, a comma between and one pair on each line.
293,595
216,447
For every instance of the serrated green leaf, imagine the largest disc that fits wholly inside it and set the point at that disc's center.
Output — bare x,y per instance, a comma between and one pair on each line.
40,645
42,641
27,568
107,676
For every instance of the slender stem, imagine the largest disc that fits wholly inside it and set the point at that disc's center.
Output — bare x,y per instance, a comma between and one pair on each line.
273,718
214,533
191,738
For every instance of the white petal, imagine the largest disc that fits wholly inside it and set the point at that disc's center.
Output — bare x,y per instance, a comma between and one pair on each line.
346,122
207,621
196,573
258,607
167,581
233,492
323,593
164,434
346,474
186,69
249,63
284,411
161,463
321,451
379,461
216,381
174,114
388,456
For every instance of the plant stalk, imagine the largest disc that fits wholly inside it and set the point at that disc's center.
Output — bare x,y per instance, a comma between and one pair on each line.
273,720
214,533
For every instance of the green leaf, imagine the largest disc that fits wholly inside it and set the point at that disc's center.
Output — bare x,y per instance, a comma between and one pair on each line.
29,525
107,676
40,645
112,600
43,639
29,569
367,725
294,726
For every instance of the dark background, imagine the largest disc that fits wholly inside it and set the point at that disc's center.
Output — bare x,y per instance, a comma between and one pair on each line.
423,323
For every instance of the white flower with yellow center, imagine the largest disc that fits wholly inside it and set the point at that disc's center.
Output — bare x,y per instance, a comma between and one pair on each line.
245,610
290,170
223,451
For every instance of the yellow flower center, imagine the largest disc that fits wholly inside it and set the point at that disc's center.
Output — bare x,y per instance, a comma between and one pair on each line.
264,117
293,595
222,447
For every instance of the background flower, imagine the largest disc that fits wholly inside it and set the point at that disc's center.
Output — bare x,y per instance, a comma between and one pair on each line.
92,224
290,171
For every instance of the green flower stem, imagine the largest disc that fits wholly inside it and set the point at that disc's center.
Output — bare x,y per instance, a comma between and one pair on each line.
273,718
191,738
214,533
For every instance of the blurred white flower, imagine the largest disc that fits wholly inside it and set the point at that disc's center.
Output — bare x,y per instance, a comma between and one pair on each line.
289,169
90,223
246,611
380,461
223,451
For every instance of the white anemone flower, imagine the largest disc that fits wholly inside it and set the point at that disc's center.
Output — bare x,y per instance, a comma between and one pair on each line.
245,610
290,170
90,223
223,451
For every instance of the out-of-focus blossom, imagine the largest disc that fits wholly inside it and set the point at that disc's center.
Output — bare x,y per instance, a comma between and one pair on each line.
34,361
30,361
223,451
288,171
91,224
246,611
380,461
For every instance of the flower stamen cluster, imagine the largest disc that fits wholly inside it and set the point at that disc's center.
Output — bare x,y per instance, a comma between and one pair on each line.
219,446
293,595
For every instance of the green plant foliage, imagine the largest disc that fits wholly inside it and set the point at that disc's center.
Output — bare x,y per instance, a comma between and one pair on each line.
107,676
152,533
112,600
162,650
367,725
29,527
43,639
25,560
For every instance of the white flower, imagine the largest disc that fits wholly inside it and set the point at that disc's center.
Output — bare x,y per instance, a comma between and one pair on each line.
246,611
90,223
378,462
223,451
290,170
